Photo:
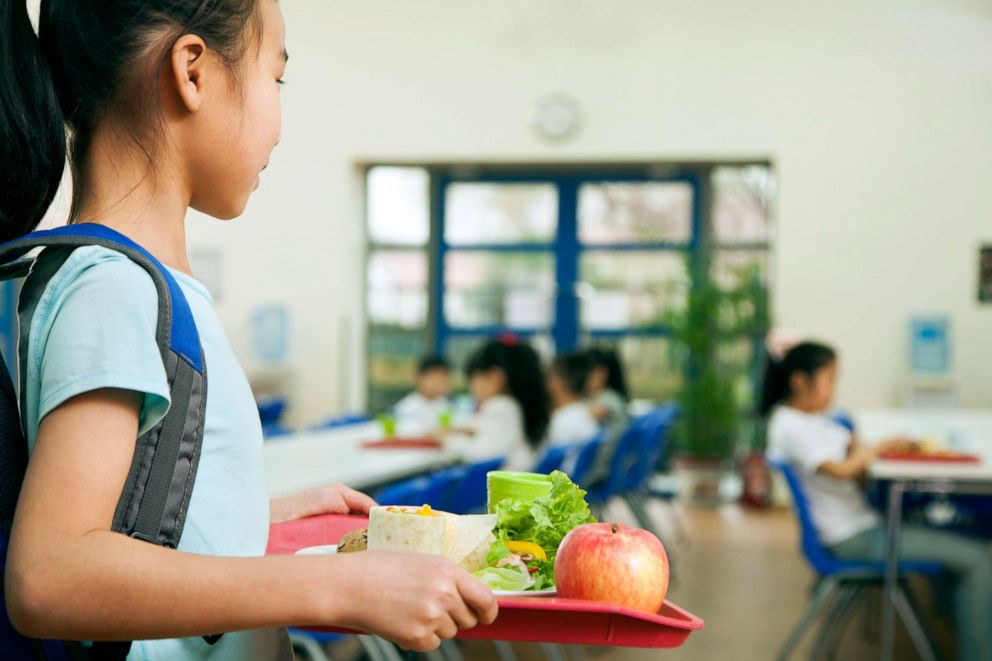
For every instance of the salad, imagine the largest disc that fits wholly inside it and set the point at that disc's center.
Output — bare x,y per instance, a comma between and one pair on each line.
528,533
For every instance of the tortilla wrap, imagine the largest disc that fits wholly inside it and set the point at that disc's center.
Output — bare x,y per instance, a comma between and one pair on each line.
465,540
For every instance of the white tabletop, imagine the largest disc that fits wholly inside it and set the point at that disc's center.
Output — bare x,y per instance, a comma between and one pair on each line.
309,459
966,431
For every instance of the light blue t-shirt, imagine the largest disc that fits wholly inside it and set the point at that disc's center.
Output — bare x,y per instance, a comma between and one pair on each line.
94,327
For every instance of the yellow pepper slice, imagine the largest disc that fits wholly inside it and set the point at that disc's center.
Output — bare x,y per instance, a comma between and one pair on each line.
527,548
425,510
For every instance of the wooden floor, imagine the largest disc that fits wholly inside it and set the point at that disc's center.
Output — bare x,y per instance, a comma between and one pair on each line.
742,573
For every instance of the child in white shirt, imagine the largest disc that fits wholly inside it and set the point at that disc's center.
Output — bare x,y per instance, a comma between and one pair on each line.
572,420
507,382
829,460
421,411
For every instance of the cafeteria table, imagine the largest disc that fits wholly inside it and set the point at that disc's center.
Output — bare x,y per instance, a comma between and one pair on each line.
964,431
300,461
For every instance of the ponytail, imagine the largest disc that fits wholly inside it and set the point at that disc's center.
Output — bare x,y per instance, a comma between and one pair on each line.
807,357
524,381
32,130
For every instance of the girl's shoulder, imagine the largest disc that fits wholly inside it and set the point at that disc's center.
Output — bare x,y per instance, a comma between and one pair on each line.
94,289
89,269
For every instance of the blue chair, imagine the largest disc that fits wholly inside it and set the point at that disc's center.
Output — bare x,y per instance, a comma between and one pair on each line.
551,459
846,581
274,430
270,408
428,489
585,458
469,492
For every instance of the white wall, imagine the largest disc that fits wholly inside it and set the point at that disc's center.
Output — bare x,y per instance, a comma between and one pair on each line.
877,115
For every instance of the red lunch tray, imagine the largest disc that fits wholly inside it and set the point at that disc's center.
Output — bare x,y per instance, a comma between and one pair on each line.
933,458
530,619
403,444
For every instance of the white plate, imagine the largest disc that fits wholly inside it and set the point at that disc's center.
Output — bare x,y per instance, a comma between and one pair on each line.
327,549
546,592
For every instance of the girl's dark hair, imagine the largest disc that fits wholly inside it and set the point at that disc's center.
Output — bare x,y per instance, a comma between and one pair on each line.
608,359
92,60
808,358
573,368
524,381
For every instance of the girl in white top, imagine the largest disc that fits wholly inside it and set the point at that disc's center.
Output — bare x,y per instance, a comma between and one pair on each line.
507,382
829,461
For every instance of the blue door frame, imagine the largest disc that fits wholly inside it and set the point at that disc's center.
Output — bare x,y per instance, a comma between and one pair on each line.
566,249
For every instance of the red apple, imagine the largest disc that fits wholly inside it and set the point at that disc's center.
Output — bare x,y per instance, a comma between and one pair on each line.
613,563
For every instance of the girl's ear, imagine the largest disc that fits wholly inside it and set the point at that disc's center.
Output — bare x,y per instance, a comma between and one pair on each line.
188,61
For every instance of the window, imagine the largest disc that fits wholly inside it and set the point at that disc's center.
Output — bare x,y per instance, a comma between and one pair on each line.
562,258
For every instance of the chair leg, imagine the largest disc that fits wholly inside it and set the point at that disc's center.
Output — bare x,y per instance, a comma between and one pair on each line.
681,534
576,653
309,646
832,629
450,650
504,650
912,623
378,649
553,652
823,592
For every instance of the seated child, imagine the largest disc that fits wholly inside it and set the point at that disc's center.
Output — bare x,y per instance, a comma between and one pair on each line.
571,419
606,390
829,461
421,411
507,382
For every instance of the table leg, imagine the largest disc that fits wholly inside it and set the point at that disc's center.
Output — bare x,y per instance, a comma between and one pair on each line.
893,530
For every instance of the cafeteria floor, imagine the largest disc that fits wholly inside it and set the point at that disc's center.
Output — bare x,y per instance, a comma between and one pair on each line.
742,573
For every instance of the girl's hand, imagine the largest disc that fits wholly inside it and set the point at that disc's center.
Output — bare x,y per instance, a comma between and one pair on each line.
327,499
413,599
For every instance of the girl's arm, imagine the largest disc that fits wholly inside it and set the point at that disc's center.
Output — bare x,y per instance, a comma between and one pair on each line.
327,499
68,576
859,455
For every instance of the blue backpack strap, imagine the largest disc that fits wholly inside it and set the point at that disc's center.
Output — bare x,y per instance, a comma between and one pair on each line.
156,494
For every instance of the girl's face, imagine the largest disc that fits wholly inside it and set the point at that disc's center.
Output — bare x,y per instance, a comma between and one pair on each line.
486,384
815,392
239,128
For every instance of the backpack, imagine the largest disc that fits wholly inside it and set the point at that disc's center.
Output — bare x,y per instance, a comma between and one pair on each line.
156,494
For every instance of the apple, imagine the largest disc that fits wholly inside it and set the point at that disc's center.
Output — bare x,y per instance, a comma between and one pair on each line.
613,563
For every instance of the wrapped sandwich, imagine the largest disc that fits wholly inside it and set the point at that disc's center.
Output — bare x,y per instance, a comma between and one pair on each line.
465,540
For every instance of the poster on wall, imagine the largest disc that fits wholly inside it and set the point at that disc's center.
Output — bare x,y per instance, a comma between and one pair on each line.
930,345
985,274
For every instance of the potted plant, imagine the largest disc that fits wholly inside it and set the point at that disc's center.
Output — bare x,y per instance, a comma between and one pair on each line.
716,335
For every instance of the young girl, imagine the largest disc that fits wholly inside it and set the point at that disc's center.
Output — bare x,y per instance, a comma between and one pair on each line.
170,105
829,460
507,383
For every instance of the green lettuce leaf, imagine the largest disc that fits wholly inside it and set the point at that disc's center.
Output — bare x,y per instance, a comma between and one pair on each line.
504,578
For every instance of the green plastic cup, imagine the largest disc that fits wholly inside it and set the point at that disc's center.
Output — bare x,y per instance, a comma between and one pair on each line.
388,423
511,484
